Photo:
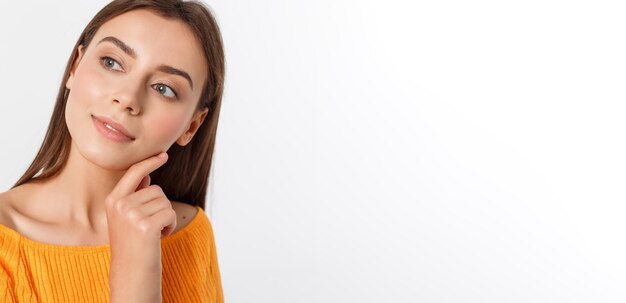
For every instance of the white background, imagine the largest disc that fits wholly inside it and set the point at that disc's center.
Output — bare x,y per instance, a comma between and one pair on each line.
391,151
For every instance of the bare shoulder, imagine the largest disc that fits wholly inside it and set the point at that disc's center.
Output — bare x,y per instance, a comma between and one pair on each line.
5,210
184,214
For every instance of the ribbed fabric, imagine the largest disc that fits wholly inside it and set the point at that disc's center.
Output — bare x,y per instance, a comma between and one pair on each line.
32,271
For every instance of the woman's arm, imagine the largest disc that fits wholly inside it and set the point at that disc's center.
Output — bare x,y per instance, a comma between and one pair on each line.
7,291
136,278
215,276
138,215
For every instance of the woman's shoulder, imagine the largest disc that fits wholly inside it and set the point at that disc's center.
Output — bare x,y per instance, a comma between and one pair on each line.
6,209
184,214
10,203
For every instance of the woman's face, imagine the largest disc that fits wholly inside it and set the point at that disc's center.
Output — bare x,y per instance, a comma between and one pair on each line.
155,104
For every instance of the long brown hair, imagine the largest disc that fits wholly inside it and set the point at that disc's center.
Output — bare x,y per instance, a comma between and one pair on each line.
184,177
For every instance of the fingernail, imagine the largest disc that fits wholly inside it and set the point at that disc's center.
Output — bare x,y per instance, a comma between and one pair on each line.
162,155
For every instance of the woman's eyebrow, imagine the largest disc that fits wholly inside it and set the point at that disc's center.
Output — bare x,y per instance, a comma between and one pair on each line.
131,52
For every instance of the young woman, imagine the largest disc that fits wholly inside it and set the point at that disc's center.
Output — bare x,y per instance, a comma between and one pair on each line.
112,207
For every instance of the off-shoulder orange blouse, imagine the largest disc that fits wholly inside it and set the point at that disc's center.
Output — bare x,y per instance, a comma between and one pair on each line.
32,271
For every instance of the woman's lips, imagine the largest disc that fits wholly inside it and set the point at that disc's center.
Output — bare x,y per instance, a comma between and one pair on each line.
116,126
109,133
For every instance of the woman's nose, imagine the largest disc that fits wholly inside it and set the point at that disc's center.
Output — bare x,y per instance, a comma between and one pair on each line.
128,105
129,98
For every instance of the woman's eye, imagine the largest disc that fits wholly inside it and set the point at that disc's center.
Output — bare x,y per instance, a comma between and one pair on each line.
161,88
108,62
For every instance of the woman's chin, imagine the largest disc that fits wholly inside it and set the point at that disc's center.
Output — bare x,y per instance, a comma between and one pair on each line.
115,161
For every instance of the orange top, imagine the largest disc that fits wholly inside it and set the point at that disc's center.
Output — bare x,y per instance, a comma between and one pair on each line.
32,271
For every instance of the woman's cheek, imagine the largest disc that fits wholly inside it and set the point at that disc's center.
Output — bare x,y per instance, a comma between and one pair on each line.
83,95
168,127
91,84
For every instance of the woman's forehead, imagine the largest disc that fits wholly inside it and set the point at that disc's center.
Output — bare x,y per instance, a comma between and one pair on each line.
155,40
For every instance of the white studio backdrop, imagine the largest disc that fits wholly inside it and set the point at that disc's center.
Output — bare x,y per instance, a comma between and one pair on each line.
391,151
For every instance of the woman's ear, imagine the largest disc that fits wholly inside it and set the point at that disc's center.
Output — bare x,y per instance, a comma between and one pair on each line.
70,78
193,127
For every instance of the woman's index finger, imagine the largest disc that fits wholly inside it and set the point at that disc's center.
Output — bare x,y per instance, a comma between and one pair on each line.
131,179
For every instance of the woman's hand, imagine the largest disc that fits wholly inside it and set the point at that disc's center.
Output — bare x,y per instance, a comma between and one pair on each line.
136,208
138,215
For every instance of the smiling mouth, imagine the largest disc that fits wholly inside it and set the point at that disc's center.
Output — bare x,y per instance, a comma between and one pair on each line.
109,132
